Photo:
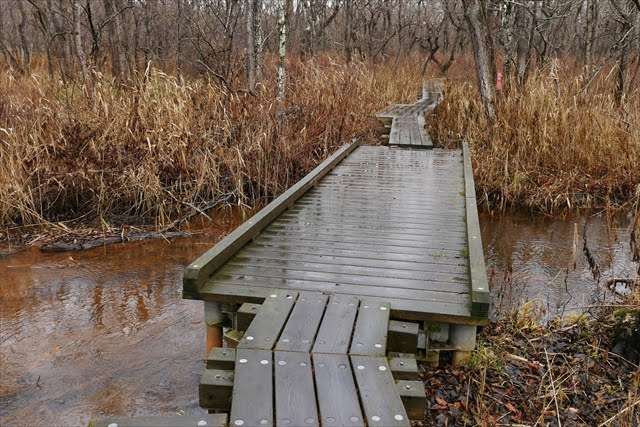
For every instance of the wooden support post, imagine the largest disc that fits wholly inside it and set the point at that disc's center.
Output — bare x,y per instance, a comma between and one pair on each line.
404,368
462,337
216,388
245,315
432,358
403,337
413,398
232,338
214,319
222,358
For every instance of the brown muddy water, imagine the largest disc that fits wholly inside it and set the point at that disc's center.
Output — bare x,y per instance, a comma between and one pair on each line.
105,331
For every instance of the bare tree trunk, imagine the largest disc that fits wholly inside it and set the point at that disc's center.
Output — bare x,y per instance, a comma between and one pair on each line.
118,61
82,58
347,30
59,46
281,47
24,41
507,30
9,56
251,44
525,24
592,22
623,63
257,23
476,17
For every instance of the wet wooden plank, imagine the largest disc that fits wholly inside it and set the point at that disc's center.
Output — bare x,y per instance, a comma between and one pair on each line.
408,232
447,209
293,229
381,217
252,403
199,271
432,282
375,288
335,331
379,395
294,391
370,332
301,328
337,396
214,420
478,270
376,219
251,265
364,241
268,323
435,204
395,252
255,256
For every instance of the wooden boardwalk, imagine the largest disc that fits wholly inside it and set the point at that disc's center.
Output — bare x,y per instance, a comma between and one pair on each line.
385,224
332,291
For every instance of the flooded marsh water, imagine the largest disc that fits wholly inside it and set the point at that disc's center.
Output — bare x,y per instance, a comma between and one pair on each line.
105,331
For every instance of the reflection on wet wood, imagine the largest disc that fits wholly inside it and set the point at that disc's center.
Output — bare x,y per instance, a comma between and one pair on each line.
382,223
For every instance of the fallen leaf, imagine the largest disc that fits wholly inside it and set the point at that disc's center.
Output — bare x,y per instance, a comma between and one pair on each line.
442,402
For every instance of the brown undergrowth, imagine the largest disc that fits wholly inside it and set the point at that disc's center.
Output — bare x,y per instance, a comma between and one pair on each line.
161,147
558,143
576,372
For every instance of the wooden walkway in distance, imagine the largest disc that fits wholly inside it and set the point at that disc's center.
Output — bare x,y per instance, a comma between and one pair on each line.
406,121
328,360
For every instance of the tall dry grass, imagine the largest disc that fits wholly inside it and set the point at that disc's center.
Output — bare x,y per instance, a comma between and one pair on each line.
160,145
554,146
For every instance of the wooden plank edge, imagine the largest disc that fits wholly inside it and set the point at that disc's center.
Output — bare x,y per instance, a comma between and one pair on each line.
201,269
158,421
477,270
255,294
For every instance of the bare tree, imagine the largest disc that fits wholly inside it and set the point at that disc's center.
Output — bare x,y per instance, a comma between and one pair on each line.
476,16
254,43
77,37
282,39
591,31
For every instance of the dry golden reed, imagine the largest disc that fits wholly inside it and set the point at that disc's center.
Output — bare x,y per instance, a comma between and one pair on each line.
149,150
555,145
